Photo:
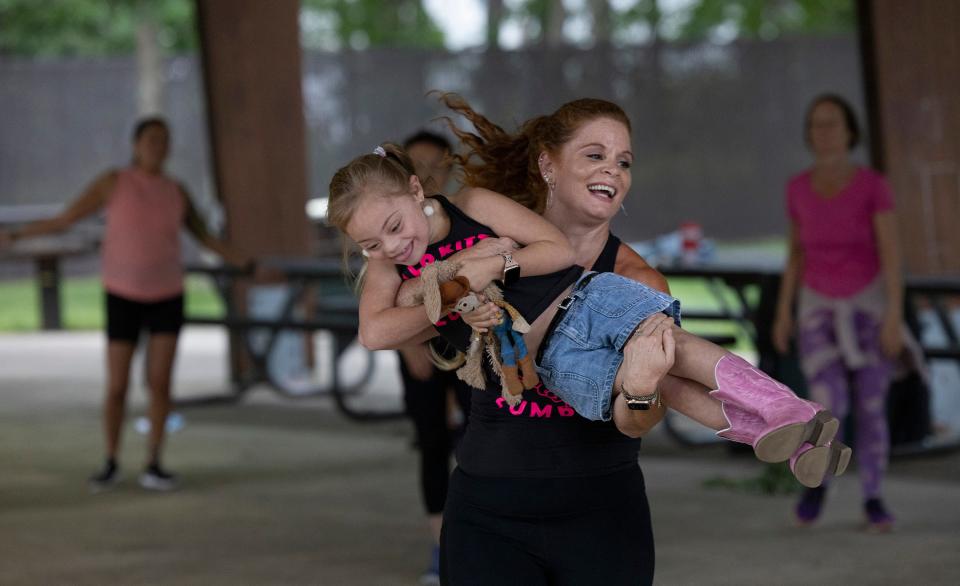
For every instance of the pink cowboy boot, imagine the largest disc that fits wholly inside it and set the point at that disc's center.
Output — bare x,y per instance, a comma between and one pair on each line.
783,421
811,464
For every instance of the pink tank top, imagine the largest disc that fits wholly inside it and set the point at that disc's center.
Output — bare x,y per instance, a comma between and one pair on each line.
141,243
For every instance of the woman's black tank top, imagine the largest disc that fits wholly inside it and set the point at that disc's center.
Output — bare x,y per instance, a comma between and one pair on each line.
543,437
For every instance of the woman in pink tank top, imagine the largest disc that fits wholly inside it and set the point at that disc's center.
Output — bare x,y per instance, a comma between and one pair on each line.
143,278
843,272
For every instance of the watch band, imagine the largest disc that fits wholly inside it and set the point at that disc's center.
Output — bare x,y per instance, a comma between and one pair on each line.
511,269
640,402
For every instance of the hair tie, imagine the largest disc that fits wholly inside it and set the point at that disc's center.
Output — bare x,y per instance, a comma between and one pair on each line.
380,152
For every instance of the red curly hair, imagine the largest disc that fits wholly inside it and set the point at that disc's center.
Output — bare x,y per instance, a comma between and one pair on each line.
508,163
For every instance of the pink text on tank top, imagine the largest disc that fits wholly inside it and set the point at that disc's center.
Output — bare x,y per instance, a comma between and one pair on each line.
840,254
141,242
443,251
535,410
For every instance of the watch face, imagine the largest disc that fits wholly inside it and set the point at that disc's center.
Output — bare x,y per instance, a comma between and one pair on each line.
511,274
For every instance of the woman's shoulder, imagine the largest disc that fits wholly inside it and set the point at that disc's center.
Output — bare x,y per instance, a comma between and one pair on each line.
108,179
799,180
633,266
473,198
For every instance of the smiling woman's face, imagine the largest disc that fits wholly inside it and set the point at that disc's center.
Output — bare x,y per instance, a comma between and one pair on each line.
592,170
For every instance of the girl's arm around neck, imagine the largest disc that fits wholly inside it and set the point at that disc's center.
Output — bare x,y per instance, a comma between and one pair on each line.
383,325
545,248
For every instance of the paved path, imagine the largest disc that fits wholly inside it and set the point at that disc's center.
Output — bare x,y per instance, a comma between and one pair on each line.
280,492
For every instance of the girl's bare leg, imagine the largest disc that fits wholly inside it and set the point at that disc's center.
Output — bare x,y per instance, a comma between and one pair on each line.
692,399
696,359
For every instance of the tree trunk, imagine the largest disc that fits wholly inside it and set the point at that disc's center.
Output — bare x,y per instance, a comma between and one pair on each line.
553,27
494,18
601,21
149,63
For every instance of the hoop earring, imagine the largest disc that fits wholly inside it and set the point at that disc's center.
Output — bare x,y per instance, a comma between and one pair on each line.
623,209
428,209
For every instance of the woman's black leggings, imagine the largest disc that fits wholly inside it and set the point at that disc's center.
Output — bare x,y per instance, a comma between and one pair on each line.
547,531
426,404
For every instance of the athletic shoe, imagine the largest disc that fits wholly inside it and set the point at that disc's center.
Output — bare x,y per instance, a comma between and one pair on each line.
432,576
879,520
106,478
156,478
810,504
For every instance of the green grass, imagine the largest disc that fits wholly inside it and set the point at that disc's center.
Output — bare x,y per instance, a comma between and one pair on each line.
81,303
695,295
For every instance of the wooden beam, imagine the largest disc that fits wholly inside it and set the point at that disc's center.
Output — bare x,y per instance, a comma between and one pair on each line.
911,54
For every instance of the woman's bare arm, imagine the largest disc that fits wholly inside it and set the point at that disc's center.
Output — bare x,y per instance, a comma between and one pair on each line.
631,422
92,199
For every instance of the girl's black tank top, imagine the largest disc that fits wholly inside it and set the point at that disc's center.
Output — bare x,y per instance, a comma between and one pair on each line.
530,295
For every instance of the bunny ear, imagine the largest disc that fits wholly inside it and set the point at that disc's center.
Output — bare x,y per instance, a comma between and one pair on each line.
431,292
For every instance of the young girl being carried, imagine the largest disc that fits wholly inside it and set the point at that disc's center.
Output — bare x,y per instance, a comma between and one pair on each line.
581,323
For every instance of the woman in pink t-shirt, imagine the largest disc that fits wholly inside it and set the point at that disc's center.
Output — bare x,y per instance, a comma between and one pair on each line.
143,279
843,272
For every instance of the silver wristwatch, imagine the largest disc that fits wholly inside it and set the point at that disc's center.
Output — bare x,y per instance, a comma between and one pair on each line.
640,402
511,269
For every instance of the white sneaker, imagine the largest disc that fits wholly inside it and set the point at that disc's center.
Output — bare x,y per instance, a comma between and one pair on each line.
156,478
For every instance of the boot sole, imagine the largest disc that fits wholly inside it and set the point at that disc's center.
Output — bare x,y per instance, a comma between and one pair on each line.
780,444
812,466
840,454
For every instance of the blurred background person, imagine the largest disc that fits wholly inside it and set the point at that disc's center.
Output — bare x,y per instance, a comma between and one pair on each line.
435,400
142,275
844,274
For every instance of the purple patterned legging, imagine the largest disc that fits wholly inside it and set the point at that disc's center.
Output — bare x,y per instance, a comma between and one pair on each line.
834,382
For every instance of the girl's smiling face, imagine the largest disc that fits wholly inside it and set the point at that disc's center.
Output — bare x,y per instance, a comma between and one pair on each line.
391,226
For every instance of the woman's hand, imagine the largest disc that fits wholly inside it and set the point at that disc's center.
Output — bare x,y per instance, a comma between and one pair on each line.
891,338
483,317
782,331
649,355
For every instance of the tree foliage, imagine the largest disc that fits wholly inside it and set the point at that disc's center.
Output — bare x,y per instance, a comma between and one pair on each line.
108,27
368,23
91,27
766,19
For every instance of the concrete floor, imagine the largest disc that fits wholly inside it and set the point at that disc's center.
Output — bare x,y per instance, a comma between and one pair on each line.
290,492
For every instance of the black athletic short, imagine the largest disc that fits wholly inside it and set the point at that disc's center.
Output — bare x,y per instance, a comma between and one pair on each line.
125,317
547,531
